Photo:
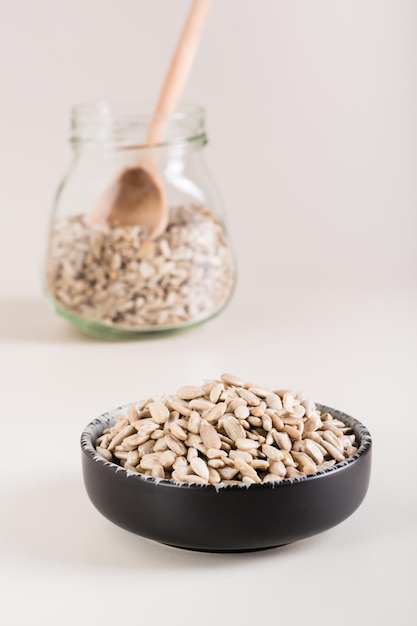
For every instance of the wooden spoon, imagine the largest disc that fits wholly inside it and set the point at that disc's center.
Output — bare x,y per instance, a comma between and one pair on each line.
137,197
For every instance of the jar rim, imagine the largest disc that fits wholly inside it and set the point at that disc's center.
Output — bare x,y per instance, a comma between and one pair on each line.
125,122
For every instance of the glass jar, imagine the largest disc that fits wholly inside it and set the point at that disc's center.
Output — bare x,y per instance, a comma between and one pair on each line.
116,281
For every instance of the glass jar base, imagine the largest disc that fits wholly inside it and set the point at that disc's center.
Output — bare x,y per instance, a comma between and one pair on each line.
98,330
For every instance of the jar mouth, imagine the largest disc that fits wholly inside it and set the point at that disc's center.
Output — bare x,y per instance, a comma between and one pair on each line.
127,124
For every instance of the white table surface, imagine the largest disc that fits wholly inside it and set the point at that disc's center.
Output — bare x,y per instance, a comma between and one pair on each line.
63,563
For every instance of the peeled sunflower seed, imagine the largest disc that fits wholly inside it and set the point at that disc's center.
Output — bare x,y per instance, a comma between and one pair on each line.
249,397
209,435
175,445
159,412
217,411
246,444
177,431
273,401
157,471
246,470
215,392
189,392
167,459
199,467
232,428
194,422
106,454
234,381
272,453
226,431
126,431
214,476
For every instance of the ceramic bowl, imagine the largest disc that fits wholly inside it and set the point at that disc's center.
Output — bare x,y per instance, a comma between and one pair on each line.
231,518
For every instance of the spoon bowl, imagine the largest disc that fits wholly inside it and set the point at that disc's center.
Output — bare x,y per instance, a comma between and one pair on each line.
135,197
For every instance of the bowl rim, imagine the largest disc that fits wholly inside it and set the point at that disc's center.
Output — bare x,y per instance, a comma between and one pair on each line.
96,427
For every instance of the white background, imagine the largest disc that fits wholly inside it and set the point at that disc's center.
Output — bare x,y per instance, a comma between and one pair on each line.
311,114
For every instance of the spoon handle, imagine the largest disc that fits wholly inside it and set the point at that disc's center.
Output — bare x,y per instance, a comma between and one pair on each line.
178,69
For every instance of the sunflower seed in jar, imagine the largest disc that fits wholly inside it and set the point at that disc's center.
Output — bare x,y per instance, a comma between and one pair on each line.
116,276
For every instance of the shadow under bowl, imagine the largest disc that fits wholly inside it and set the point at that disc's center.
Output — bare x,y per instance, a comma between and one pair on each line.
231,518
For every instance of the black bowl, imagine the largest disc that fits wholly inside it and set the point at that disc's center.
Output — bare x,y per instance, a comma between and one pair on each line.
231,518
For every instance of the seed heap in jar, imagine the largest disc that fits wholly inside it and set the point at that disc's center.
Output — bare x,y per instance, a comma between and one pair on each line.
226,432
117,276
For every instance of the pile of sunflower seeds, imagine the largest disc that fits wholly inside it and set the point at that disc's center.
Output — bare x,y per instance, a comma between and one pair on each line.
117,276
227,431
